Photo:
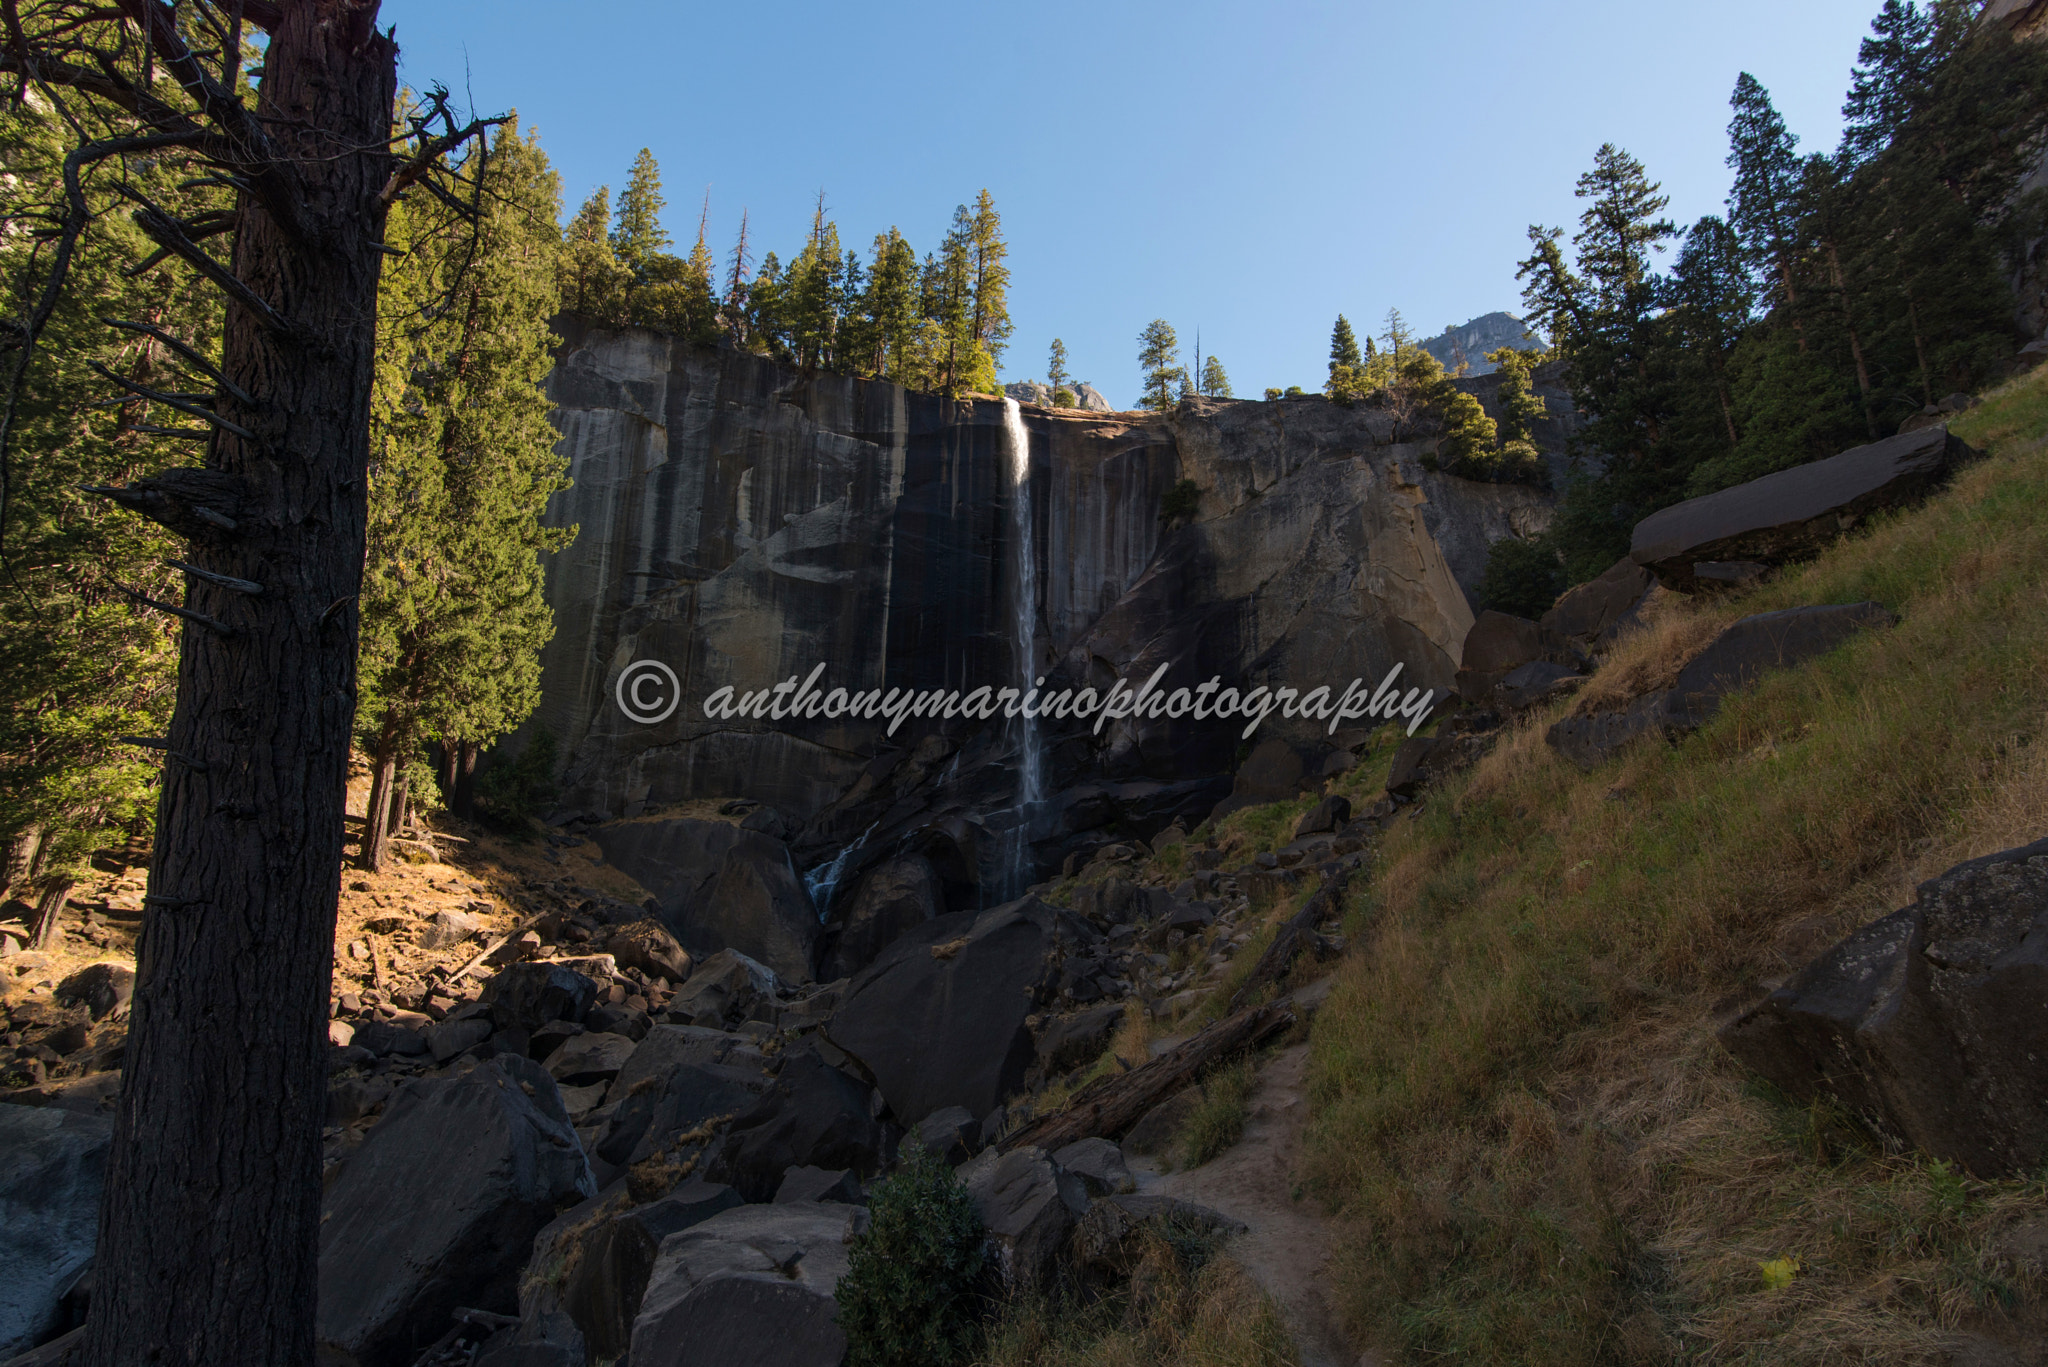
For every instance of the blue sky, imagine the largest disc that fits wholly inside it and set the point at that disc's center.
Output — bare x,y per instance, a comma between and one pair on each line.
1248,170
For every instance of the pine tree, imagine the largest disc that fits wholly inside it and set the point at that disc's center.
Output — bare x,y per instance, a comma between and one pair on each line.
812,293
1344,347
1056,376
463,464
637,235
990,325
735,301
1894,69
1763,206
890,307
592,282
949,302
1215,383
1709,300
1159,358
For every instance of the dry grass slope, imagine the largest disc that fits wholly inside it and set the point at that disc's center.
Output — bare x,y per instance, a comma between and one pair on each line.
1518,1099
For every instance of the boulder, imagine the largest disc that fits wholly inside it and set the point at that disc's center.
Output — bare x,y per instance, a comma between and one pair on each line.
819,1184
1742,654
1732,661
588,1059
1027,1205
449,1038
669,1047
646,945
1100,1166
439,1206
751,1287
1592,614
1328,815
1071,1041
651,1118
895,896
1157,1127
1410,769
719,886
1930,1023
103,988
815,1115
52,1163
1498,644
445,928
1278,769
951,1132
1532,683
528,996
609,1260
387,1037
938,1020
549,1340
722,989
1794,513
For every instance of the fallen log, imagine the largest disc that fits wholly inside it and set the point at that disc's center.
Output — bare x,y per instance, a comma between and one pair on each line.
1295,936
1108,1106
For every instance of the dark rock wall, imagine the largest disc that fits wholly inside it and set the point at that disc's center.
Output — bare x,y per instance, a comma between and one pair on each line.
742,524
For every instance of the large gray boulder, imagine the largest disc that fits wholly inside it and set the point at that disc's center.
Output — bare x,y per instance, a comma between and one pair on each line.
52,1162
724,987
814,1116
1028,1204
719,886
1931,1024
439,1207
1794,513
1499,644
1592,614
895,896
1732,661
608,1260
751,1287
938,1020
650,1120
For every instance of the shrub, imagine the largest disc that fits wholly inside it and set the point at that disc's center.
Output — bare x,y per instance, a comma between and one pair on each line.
907,1298
1180,501
524,787
1522,577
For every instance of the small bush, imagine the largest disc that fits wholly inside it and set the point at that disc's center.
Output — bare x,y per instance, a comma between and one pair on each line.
1522,578
511,793
907,1298
1180,501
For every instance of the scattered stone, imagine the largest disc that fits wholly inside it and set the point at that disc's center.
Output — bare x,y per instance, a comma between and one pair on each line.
1329,815
589,1058
529,995
104,988
751,1287
720,886
1794,513
647,947
1410,769
445,928
340,1034
438,1207
950,1132
1931,1023
725,985
549,1038
52,1163
819,1184
450,1038
1100,1166
383,1037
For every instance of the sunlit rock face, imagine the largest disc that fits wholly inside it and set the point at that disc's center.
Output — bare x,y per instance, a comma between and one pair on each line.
741,524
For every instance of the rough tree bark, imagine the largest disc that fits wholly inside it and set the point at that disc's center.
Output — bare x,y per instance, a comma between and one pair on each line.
209,1233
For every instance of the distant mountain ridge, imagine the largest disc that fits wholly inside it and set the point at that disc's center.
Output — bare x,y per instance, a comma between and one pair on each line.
1470,343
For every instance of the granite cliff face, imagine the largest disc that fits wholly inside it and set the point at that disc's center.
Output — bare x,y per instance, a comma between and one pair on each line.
743,524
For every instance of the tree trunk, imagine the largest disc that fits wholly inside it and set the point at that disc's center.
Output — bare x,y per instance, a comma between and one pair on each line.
376,816
49,910
21,860
1855,342
463,800
209,1230
1109,1106
401,794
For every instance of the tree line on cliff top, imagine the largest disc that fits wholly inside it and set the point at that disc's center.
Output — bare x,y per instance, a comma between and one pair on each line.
1840,294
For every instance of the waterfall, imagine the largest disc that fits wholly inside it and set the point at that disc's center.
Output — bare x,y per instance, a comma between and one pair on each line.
1023,633
822,881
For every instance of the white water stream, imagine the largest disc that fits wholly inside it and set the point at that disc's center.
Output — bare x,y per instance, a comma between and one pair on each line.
1023,636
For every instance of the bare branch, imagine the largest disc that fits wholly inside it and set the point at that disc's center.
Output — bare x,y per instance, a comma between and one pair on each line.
167,233
200,618
429,156
226,581
192,358
172,401
192,503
